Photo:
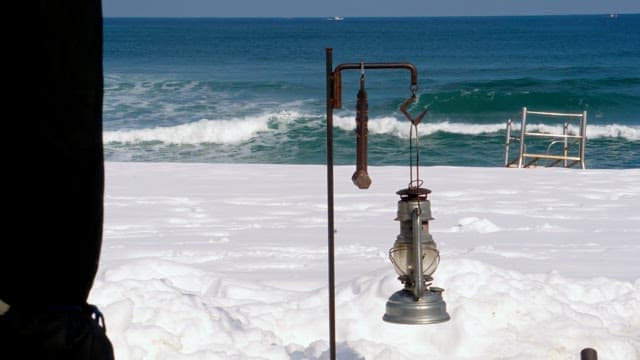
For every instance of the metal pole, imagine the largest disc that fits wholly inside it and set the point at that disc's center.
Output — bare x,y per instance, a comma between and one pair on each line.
330,201
507,144
418,276
565,150
523,129
583,139
588,354
358,66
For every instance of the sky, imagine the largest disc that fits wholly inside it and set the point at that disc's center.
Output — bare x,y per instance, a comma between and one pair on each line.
363,8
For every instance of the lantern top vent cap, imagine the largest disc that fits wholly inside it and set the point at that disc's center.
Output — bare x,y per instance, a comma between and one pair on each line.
413,193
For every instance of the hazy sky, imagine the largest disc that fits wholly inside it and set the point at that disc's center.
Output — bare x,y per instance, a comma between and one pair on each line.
322,8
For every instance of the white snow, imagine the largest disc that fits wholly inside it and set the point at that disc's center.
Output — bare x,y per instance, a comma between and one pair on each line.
216,261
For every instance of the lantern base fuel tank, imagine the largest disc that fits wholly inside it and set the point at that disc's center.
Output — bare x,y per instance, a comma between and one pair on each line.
402,308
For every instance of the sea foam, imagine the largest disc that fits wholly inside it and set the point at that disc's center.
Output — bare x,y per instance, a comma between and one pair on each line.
238,130
202,131
400,128
231,131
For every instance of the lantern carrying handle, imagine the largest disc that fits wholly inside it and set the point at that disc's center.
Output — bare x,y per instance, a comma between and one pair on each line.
417,182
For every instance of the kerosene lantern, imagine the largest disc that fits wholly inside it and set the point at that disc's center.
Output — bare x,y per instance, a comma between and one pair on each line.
415,258
414,254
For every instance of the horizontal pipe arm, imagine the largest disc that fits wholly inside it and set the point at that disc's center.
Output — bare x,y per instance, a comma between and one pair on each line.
358,66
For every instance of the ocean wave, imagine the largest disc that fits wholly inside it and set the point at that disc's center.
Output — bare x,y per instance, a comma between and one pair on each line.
631,133
398,128
295,125
232,131
401,129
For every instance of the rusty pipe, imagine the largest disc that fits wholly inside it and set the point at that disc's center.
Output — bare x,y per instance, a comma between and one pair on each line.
361,177
330,206
358,66
336,100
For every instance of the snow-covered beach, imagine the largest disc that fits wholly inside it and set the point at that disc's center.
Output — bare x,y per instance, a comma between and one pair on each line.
216,261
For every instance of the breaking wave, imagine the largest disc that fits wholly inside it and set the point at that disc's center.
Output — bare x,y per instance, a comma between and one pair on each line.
204,131
395,127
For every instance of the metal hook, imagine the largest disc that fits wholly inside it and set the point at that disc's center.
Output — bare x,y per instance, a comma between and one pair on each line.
414,89
408,102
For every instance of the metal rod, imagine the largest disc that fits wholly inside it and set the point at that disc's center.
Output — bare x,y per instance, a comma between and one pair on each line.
507,143
418,277
553,114
337,81
565,149
358,66
330,206
588,354
545,156
553,135
583,141
523,130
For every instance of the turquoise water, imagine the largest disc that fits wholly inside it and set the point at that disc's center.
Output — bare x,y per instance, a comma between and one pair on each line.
253,90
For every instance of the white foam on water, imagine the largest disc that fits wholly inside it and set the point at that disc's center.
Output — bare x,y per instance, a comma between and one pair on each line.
400,128
203,131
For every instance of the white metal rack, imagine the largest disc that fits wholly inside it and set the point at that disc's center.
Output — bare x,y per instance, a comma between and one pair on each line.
532,142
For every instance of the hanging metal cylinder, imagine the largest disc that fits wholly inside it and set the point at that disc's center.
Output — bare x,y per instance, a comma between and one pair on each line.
361,177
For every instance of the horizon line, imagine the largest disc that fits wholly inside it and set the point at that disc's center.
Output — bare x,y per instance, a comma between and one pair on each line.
363,17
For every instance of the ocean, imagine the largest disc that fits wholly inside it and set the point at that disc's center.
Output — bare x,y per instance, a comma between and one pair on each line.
223,90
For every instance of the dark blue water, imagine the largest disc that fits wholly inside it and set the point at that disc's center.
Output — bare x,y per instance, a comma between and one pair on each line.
253,90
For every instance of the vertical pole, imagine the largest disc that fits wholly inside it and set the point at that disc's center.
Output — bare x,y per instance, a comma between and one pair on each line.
507,143
523,130
330,214
588,354
583,139
565,150
418,276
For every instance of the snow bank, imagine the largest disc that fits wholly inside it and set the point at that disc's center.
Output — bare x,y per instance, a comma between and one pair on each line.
229,262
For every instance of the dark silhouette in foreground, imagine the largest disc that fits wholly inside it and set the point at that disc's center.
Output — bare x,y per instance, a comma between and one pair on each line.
54,183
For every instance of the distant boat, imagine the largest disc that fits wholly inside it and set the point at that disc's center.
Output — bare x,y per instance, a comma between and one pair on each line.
336,18
613,16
